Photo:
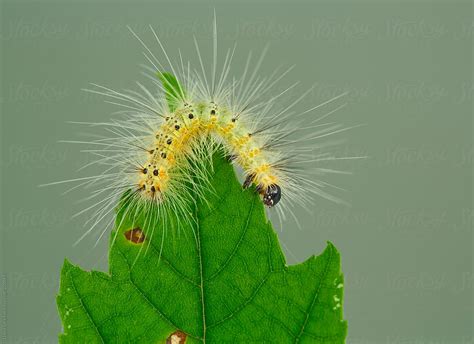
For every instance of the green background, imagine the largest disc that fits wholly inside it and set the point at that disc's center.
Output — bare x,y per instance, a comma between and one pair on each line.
406,241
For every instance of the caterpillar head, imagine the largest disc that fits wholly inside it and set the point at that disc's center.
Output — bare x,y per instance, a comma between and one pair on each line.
272,195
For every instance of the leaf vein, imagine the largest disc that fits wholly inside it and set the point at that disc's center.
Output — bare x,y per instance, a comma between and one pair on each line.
236,248
244,304
86,310
156,309
315,296
173,268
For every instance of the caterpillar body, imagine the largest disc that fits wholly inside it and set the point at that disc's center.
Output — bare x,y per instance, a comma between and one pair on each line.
162,142
192,121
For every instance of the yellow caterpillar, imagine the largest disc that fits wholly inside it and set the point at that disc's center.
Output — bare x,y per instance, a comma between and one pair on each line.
165,135
191,121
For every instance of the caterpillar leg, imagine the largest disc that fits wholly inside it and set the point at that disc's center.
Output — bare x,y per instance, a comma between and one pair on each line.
248,181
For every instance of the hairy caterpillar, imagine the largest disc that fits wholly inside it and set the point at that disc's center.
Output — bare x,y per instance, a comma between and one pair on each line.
161,144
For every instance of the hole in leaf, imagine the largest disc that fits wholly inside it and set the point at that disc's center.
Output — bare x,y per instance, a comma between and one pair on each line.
177,337
135,235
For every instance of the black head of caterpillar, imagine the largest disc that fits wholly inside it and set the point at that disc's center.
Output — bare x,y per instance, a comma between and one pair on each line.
272,195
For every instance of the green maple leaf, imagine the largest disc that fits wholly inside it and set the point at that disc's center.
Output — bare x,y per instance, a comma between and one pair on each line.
226,281
230,283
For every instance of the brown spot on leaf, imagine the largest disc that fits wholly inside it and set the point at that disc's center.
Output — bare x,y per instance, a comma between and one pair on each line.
135,235
177,337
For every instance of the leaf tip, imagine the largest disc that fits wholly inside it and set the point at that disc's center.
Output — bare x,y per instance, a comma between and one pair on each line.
331,248
67,265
